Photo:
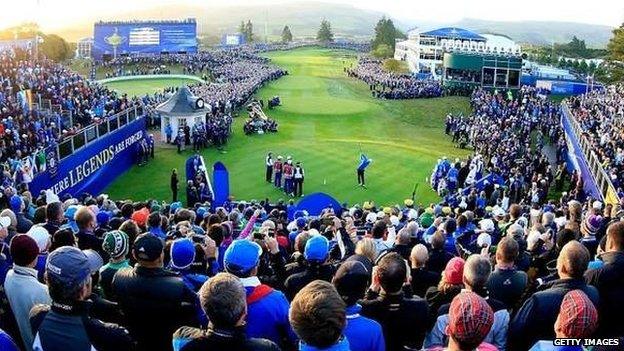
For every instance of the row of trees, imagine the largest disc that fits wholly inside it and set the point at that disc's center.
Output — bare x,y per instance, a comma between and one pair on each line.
246,29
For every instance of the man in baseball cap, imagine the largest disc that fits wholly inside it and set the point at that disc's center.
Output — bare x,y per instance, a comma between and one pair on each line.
156,302
267,308
316,254
68,275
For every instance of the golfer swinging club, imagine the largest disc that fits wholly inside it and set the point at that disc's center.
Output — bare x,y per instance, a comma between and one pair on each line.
364,162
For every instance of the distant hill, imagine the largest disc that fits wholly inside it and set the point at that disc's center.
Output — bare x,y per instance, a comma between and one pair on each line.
304,18
543,33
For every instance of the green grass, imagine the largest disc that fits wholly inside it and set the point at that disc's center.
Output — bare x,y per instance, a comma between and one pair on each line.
140,87
324,120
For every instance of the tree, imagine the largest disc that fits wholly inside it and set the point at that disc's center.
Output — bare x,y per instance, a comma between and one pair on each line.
383,51
325,33
385,34
286,35
616,44
242,29
55,48
249,36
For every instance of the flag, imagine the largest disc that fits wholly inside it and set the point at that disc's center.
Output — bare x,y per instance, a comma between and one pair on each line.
25,99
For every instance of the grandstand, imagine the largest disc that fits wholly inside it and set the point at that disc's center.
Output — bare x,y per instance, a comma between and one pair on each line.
424,50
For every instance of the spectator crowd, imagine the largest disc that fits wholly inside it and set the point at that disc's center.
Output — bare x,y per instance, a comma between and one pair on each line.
497,265
600,114
384,84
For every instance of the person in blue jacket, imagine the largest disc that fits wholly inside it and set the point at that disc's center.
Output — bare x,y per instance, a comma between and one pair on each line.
364,334
6,343
267,308
364,162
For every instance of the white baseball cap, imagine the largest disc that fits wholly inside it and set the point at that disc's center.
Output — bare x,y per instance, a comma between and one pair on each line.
41,236
5,222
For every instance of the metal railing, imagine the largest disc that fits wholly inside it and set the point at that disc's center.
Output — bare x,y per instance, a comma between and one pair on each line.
600,176
89,134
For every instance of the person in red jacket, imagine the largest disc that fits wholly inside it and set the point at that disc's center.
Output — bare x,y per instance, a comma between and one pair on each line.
277,169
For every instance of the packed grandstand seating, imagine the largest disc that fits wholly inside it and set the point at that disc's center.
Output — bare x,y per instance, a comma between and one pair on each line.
25,83
500,265
388,85
600,114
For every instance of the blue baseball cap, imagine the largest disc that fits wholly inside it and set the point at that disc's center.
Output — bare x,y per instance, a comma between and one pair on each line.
316,248
241,256
70,212
68,266
182,253
201,212
102,217
301,222
16,203
175,206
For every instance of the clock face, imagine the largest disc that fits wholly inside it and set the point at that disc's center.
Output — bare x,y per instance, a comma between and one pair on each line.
200,103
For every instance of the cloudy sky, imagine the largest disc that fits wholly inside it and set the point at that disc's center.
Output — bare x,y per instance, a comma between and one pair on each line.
58,13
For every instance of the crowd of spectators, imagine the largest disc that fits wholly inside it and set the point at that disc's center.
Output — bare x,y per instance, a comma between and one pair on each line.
512,138
600,114
238,74
509,268
388,85
192,64
150,275
26,80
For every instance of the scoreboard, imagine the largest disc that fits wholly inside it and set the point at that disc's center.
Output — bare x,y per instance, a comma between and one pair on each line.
113,39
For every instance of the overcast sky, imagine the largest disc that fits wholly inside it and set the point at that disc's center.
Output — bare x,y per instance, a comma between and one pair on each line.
58,13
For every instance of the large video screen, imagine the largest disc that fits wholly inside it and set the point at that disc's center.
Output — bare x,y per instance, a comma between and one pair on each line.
115,39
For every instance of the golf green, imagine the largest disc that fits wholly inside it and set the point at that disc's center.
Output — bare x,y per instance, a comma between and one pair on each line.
326,118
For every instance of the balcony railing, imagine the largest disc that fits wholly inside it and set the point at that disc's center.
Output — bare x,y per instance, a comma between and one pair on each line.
600,176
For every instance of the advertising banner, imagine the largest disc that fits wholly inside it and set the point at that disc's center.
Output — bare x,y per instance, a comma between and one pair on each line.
92,168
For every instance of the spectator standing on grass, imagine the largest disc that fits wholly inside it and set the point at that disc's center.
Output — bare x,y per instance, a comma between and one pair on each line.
174,185
268,162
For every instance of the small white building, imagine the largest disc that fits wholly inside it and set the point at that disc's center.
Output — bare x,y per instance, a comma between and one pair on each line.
424,51
83,48
180,110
